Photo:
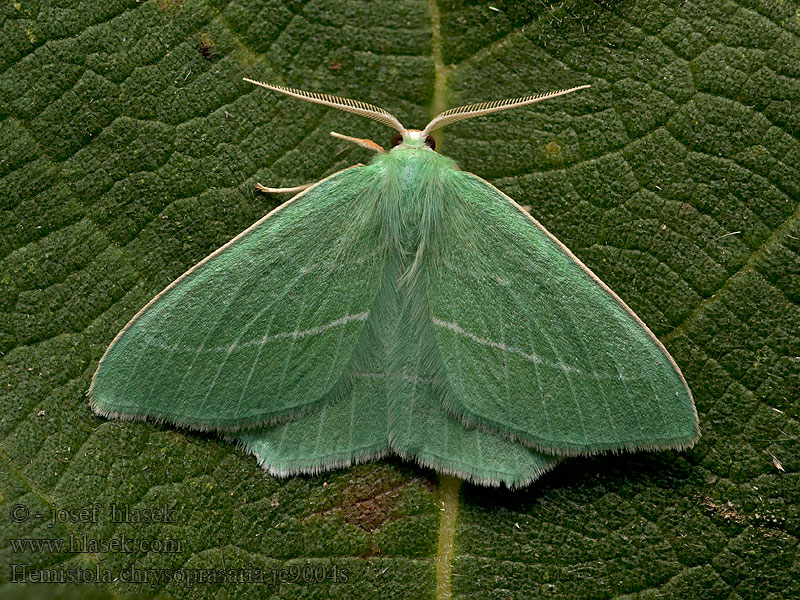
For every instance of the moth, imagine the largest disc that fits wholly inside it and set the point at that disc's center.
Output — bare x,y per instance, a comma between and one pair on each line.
400,307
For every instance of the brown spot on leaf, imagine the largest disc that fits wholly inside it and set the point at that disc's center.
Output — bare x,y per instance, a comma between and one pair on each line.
371,513
206,46
370,502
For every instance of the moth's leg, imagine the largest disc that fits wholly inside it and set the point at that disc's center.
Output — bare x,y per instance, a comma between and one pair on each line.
368,144
291,190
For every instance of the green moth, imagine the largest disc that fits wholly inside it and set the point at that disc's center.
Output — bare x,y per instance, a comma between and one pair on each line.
401,307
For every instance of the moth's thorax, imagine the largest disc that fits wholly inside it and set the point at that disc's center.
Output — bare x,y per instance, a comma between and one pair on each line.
409,184
413,170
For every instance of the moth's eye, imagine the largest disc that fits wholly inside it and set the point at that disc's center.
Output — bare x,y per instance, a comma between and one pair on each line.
397,139
430,142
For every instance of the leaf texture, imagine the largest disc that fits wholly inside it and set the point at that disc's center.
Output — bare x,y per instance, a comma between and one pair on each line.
127,155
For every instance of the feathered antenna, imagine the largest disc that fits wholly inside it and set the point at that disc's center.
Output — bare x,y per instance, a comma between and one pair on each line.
354,106
485,108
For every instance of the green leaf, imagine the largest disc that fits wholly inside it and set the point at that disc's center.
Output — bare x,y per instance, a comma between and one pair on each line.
129,147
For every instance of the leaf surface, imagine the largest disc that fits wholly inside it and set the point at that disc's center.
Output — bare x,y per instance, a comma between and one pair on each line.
129,148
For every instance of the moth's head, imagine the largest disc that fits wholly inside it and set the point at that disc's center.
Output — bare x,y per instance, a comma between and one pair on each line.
413,138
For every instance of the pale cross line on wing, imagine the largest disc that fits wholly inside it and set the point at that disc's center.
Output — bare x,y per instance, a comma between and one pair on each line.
455,327
153,341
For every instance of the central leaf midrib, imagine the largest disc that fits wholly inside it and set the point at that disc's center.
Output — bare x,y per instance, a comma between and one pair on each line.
448,486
